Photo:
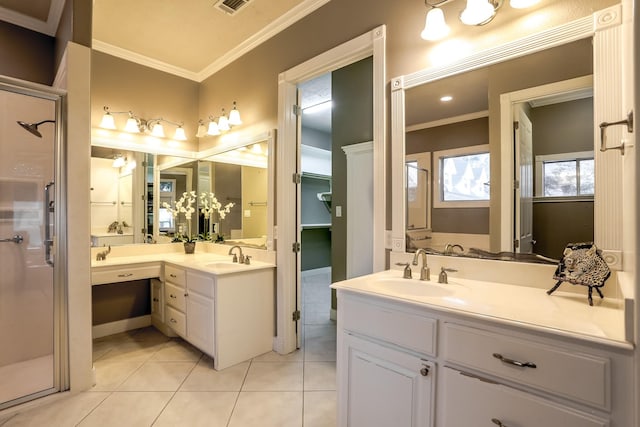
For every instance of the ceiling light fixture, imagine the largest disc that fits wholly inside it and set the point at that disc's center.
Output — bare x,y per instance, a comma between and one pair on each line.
475,13
137,124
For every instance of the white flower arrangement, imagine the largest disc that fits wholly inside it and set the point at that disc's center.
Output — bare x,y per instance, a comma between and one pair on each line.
183,205
209,205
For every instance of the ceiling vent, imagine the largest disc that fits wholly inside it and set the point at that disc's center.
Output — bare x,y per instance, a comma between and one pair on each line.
231,7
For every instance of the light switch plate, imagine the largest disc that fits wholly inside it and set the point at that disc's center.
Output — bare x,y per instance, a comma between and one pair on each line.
338,211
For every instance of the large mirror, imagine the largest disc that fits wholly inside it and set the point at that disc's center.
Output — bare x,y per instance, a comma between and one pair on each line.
136,197
452,134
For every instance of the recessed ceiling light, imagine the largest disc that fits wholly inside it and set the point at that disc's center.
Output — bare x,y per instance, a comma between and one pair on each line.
446,98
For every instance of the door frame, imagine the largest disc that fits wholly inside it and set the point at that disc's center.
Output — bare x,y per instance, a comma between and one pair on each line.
60,325
507,149
373,44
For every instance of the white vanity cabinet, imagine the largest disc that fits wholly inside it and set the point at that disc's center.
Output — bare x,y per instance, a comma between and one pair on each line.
230,317
479,371
385,375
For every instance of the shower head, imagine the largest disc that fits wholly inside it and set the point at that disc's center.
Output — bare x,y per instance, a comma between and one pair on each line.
33,127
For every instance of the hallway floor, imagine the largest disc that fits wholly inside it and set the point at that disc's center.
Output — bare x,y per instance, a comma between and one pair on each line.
144,378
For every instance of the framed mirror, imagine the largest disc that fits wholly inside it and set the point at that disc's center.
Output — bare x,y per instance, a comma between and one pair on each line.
532,191
239,173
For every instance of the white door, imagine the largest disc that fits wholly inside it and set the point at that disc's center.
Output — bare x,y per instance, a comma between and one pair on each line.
524,182
385,387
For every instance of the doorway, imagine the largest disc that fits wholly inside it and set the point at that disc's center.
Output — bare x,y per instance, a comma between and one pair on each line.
31,287
288,233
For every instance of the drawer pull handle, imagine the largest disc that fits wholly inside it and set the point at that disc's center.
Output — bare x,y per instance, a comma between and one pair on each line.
424,371
173,275
173,320
156,299
125,275
498,422
172,296
514,362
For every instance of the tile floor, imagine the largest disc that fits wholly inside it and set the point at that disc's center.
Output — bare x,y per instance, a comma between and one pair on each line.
146,379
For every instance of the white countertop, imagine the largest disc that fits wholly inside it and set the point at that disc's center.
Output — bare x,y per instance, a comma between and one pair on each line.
564,313
204,261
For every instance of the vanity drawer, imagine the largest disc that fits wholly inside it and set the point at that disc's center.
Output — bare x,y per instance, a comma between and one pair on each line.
581,377
407,330
200,283
176,321
175,275
466,400
100,276
175,296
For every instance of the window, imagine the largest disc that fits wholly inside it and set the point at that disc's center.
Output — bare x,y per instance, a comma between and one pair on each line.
463,177
565,175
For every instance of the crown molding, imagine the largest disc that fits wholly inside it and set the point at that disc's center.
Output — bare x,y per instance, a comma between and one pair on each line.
292,16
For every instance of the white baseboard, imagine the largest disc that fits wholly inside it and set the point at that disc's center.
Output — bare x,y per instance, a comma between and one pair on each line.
123,325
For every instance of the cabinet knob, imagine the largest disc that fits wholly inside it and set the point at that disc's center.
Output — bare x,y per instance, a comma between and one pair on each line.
186,294
498,422
172,295
172,320
424,371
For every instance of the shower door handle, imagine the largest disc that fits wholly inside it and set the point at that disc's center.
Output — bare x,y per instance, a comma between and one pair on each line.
48,209
15,239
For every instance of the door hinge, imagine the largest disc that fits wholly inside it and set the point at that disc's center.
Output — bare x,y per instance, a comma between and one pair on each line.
516,184
297,111
516,244
296,316
295,247
297,178
516,125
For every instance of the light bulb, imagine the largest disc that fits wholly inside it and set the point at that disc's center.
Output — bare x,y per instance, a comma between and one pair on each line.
202,130
435,28
157,130
234,116
107,121
132,126
180,135
118,161
223,123
213,128
477,12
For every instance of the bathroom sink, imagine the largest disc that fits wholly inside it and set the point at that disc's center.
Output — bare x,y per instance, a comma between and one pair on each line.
410,287
224,265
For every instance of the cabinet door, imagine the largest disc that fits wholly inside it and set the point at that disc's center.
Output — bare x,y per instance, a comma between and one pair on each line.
466,400
200,322
385,387
157,300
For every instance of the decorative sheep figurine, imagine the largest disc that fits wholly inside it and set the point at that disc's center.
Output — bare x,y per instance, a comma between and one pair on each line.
582,264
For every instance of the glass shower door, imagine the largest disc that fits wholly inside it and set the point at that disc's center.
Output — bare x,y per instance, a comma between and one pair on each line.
27,162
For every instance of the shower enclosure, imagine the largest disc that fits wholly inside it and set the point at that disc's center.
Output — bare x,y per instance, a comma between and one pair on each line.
32,308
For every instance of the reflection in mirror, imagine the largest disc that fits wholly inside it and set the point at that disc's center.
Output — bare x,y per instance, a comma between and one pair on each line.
553,177
112,203
236,179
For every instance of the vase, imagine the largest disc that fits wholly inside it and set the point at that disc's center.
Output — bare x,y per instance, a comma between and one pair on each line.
189,247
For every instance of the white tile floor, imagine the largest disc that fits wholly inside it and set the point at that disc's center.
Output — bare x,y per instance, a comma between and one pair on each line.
144,378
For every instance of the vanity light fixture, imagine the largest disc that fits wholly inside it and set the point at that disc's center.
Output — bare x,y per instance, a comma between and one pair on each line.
222,124
137,124
118,161
475,13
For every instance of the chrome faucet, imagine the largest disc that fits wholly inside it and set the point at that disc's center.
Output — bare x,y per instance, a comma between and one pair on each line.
240,256
448,249
424,271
